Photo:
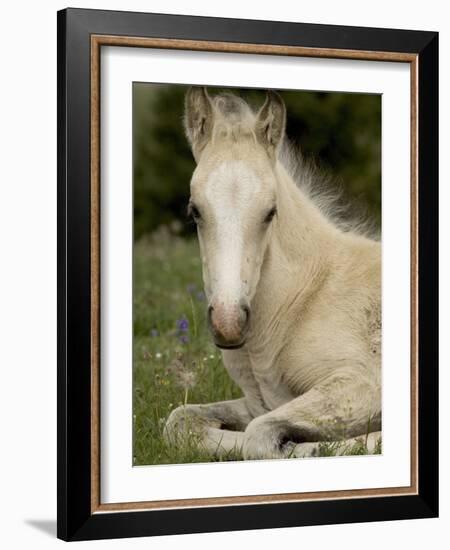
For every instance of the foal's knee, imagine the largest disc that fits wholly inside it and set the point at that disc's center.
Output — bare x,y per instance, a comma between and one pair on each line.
182,422
273,438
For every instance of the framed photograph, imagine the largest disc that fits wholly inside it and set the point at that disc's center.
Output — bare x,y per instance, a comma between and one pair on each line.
247,255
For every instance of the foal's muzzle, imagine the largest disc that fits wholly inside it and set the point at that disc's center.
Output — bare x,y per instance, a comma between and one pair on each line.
229,324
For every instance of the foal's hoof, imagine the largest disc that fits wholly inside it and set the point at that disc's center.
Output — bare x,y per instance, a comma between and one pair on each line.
273,438
306,450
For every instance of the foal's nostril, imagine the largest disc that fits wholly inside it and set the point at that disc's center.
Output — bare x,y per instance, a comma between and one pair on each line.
210,310
245,314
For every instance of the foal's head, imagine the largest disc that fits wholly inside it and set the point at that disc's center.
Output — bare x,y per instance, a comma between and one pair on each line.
233,200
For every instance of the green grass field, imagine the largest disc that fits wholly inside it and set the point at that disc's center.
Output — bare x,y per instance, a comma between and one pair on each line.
175,361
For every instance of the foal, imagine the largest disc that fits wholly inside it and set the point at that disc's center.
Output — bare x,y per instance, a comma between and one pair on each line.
294,300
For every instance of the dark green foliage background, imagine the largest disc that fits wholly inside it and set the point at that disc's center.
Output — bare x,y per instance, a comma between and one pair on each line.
341,131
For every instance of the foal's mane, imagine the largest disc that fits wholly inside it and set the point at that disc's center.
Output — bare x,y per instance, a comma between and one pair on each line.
234,117
326,193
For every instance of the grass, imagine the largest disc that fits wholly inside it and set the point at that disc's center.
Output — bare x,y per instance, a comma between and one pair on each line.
174,360
169,331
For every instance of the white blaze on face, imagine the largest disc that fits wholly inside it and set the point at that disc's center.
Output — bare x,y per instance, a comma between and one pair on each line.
230,195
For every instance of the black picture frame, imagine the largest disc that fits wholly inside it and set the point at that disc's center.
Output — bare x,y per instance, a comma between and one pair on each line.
76,521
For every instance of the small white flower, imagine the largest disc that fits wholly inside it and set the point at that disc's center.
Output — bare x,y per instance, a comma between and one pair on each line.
211,356
158,355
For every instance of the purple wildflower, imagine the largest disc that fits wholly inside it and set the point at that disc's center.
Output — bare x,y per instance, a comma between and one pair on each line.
201,296
183,339
182,325
154,333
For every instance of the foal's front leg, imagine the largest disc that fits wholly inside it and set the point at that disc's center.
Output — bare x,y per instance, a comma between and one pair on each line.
344,406
217,428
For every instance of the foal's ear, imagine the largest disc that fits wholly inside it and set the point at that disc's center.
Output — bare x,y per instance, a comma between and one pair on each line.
271,122
198,119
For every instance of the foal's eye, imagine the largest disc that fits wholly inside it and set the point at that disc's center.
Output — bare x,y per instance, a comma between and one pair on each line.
270,214
194,212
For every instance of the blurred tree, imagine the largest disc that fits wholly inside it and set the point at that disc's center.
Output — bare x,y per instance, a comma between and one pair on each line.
163,163
342,131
